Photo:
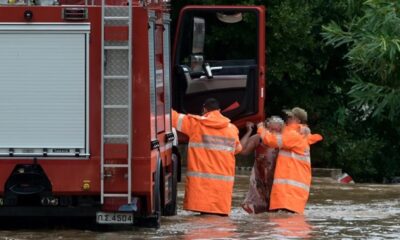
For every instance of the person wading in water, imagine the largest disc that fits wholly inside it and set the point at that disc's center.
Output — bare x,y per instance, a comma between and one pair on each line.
262,173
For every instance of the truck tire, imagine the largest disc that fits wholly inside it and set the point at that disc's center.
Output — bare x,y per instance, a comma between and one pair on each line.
171,208
154,220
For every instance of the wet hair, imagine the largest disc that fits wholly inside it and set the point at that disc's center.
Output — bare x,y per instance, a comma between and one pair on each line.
274,119
211,104
274,123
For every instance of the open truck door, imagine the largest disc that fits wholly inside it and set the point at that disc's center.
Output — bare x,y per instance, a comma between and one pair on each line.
219,52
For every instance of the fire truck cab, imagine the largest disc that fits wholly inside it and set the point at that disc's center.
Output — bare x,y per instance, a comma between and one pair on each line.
85,100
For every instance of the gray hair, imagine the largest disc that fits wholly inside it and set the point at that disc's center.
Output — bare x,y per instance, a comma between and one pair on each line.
275,119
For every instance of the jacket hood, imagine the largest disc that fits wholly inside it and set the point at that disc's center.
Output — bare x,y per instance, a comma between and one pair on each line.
214,119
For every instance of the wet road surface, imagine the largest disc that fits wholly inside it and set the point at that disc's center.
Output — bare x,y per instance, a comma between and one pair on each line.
334,211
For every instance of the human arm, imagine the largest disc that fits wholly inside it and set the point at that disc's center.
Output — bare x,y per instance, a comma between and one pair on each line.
314,138
287,140
181,122
311,138
246,136
268,138
238,145
251,145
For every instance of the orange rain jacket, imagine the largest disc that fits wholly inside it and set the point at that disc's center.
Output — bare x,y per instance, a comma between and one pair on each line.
292,177
213,142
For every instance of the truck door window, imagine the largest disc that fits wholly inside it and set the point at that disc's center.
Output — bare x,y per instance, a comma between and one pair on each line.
217,56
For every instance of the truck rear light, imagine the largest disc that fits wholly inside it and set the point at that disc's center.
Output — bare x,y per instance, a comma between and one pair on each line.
75,14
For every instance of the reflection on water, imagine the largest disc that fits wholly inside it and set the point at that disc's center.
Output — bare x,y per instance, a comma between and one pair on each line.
360,211
209,226
290,226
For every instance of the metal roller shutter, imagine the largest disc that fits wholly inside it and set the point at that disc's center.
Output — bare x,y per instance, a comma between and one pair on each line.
43,89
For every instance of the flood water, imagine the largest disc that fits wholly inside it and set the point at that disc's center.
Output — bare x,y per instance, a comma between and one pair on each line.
334,211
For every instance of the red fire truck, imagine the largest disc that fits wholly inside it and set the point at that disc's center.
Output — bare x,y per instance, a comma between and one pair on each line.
85,100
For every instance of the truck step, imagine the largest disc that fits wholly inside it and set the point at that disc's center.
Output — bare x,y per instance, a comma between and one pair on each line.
116,47
116,106
116,165
116,136
117,18
116,77
116,195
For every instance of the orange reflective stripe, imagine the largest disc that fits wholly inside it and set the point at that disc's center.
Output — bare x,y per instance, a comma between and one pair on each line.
303,158
226,141
210,146
292,183
180,121
210,176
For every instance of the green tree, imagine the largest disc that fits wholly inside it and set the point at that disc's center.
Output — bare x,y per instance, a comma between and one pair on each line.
372,43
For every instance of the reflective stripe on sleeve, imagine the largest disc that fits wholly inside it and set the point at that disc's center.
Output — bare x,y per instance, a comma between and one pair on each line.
292,183
303,158
211,176
210,146
279,140
180,120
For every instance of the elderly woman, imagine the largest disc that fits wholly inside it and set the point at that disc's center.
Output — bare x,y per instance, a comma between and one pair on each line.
262,174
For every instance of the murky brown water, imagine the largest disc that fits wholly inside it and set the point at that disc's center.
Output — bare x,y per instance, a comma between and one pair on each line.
334,211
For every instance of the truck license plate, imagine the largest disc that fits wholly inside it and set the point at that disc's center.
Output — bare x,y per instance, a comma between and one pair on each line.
114,218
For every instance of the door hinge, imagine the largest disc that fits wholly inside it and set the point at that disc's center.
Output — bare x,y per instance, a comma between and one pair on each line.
169,137
154,144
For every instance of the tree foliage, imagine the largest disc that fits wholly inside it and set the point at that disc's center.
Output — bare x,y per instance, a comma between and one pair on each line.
373,41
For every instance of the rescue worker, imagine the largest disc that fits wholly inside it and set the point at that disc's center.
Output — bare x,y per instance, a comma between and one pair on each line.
262,173
292,177
213,142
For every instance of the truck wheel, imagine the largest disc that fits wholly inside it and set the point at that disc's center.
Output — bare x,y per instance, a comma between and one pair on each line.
154,221
170,208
